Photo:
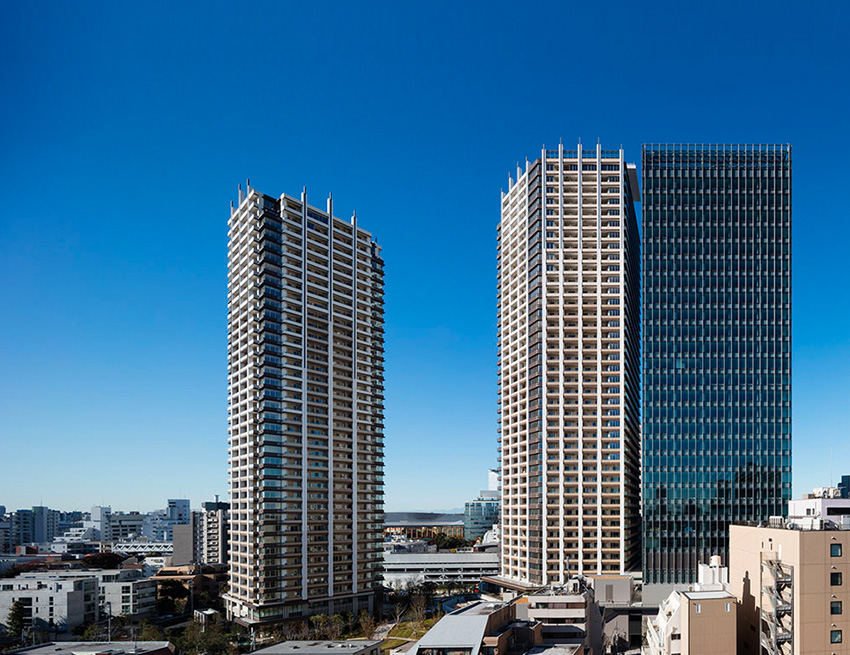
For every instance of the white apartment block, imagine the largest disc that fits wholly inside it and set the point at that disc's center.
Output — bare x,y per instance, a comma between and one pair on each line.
568,338
51,603
213,533
305,391
120,592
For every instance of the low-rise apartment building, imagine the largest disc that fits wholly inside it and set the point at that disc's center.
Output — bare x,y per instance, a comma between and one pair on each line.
794,589
120,592
51,602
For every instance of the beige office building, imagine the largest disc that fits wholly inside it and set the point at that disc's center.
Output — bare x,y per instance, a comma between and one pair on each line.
305,392
568,338
794,589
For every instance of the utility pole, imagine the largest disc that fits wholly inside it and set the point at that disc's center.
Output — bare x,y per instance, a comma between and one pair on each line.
108,604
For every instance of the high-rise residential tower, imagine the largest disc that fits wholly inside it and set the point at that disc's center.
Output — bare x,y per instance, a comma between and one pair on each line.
305,393
716,348
568,339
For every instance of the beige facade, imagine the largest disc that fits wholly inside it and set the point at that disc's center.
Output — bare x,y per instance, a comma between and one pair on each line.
700,621
709,623
568,330
794,589
305,393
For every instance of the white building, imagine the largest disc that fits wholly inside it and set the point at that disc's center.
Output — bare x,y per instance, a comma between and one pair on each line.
568,339
159,525
51,603
305,393
819,512
120,592
122,526
455,569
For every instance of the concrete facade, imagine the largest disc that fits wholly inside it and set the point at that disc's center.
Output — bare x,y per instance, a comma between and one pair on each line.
51,603
569,391
306,402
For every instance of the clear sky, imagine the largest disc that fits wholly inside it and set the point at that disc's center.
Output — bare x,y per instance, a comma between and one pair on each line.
126,128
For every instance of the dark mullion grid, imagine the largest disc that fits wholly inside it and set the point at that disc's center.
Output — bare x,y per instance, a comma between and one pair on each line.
752,457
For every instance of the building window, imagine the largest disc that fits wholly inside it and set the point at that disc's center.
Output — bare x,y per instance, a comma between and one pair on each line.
835,636
835,578
835,550
835,607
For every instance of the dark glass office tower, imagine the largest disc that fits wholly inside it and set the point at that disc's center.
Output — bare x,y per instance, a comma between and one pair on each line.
716,348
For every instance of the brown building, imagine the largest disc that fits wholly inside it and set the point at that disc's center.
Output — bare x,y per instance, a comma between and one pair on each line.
794,589
197,577
427,531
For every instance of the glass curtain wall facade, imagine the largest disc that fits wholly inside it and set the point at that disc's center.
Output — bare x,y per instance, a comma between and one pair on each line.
305,399
716,348
569,347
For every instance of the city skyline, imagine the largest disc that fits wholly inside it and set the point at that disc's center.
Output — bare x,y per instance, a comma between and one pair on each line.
116,337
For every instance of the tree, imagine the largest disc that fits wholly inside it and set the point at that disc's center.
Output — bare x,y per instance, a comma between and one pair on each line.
211,640
149,632
15,619
173,589
418,607
335,627
367,624
103,560
320,623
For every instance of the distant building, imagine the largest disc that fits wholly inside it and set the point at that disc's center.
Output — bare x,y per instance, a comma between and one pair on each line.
204,540
350,647
122,526
702,621
77,541
159,525
423,525
38,525
50,602
485,628
844,486
480,514
5,536
819,513
450,569
792,588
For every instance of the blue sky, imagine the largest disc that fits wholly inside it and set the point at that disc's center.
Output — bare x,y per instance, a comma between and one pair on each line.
127,126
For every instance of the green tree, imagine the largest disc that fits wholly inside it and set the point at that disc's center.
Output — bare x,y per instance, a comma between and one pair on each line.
15,619
211,640
173,589
149,632
103,560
